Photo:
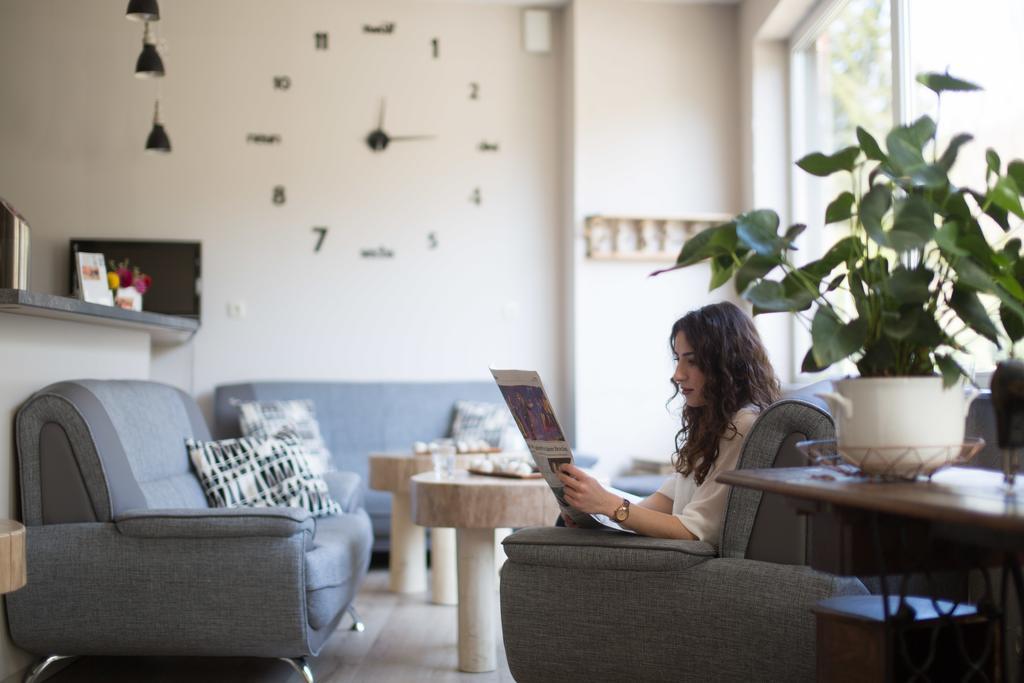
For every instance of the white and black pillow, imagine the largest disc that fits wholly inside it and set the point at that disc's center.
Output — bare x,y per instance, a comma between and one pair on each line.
261,419
490,422
270,472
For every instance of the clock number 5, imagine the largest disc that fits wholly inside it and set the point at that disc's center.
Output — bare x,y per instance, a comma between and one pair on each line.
474,91
320,240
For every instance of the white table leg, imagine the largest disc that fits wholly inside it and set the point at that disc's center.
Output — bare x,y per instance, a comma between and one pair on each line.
499,552
477,644
443,581
407,561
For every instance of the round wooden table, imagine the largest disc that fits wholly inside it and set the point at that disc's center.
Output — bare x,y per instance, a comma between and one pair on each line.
407,563
12,556
475,506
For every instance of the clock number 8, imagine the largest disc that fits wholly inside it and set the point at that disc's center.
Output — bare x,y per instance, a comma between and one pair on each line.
278,198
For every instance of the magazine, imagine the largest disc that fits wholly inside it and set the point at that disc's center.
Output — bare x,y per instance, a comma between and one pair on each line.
528,402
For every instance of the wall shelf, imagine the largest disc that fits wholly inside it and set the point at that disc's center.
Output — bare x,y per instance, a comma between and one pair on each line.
643,238
164,329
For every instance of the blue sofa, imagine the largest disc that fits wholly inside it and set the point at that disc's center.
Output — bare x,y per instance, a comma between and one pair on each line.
359,418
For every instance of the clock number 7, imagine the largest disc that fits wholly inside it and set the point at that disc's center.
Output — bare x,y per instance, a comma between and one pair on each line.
320,240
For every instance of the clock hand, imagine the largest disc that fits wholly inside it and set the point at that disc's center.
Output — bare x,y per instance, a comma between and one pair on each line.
380,118
393,138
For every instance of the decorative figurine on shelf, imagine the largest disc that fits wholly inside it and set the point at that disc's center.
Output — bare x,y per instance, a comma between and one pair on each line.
1008,403
129,284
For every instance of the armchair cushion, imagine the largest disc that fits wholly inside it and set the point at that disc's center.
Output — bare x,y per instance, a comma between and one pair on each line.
346,489
252,472
215,523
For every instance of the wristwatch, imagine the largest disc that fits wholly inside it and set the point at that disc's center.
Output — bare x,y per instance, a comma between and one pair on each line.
621,513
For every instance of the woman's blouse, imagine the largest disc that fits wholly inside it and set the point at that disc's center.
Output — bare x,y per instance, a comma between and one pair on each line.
702,508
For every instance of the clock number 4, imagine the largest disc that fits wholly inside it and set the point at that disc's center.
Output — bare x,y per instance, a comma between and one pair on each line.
474,91
319,240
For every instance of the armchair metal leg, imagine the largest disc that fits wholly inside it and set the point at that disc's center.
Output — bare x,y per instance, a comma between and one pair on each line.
300,665
36,671
357,624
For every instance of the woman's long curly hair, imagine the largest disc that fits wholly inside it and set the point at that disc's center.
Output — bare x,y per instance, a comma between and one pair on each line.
737,372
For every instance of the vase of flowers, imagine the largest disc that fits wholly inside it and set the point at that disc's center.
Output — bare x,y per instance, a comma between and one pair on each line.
923,262
128,284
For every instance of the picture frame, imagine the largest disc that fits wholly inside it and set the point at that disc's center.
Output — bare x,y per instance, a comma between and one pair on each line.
128,298
91,276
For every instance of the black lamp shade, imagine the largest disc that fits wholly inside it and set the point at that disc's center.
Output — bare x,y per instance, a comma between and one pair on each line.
149,64
158,140
143,10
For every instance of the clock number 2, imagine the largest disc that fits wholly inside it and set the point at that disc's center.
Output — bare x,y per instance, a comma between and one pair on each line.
319,240
474,91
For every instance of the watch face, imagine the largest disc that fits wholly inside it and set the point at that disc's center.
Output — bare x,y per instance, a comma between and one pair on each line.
622,513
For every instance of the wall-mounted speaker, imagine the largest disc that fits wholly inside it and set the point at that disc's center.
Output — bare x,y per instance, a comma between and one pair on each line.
537,30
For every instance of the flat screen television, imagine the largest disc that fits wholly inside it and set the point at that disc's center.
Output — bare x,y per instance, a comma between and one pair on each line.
174,267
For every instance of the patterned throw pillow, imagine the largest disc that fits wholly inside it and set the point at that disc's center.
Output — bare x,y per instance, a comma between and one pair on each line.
490,422
260,419
249,472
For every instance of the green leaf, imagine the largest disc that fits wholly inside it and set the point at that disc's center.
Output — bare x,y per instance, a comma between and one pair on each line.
707,243
722,268
922,131
992,161
909,286
768,295
873,206
879,359
904,153
914,224
809,364
792,232
832,340
930,176
759,231
900,325
1012,249
939,83
1006,195
840,209
840,252
949,156
970,309
973,275
947,238
870,145
926,332
950,369
836,281
754,267
1012,323
1015,170
823,165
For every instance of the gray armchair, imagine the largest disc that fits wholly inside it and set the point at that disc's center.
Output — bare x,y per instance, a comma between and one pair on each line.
125,557
588,605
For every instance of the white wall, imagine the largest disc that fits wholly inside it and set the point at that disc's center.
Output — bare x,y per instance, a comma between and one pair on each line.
74,123
656,133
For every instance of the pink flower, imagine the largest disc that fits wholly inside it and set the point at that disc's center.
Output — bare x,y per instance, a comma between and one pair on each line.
125,275
142,283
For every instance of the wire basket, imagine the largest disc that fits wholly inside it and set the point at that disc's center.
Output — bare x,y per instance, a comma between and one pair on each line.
889,462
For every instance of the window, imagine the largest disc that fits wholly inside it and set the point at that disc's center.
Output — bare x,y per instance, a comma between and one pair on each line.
854,62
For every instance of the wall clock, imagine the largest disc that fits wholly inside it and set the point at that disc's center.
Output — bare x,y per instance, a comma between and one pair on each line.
378,136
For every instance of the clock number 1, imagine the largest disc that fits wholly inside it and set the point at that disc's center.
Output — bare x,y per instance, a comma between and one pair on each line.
435,46
320,240
474,91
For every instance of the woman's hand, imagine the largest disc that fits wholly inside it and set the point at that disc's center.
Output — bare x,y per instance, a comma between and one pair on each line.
569,521
584,493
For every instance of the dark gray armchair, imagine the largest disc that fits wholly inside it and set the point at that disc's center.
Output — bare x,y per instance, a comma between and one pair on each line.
588,605
126,558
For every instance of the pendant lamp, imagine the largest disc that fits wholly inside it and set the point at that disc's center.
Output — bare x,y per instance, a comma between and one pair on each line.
158,140
149,64
143,10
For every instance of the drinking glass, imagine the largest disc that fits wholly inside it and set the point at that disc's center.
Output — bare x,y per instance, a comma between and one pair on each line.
442,454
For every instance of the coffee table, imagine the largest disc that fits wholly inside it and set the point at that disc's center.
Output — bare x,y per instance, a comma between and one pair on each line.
475,506
407,560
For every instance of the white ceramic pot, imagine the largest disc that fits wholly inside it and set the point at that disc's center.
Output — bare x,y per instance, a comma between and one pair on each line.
899,426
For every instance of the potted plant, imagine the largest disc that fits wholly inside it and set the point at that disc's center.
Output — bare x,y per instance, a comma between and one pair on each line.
897,293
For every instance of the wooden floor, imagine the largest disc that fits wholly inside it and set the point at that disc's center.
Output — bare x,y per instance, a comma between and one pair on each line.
406,639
